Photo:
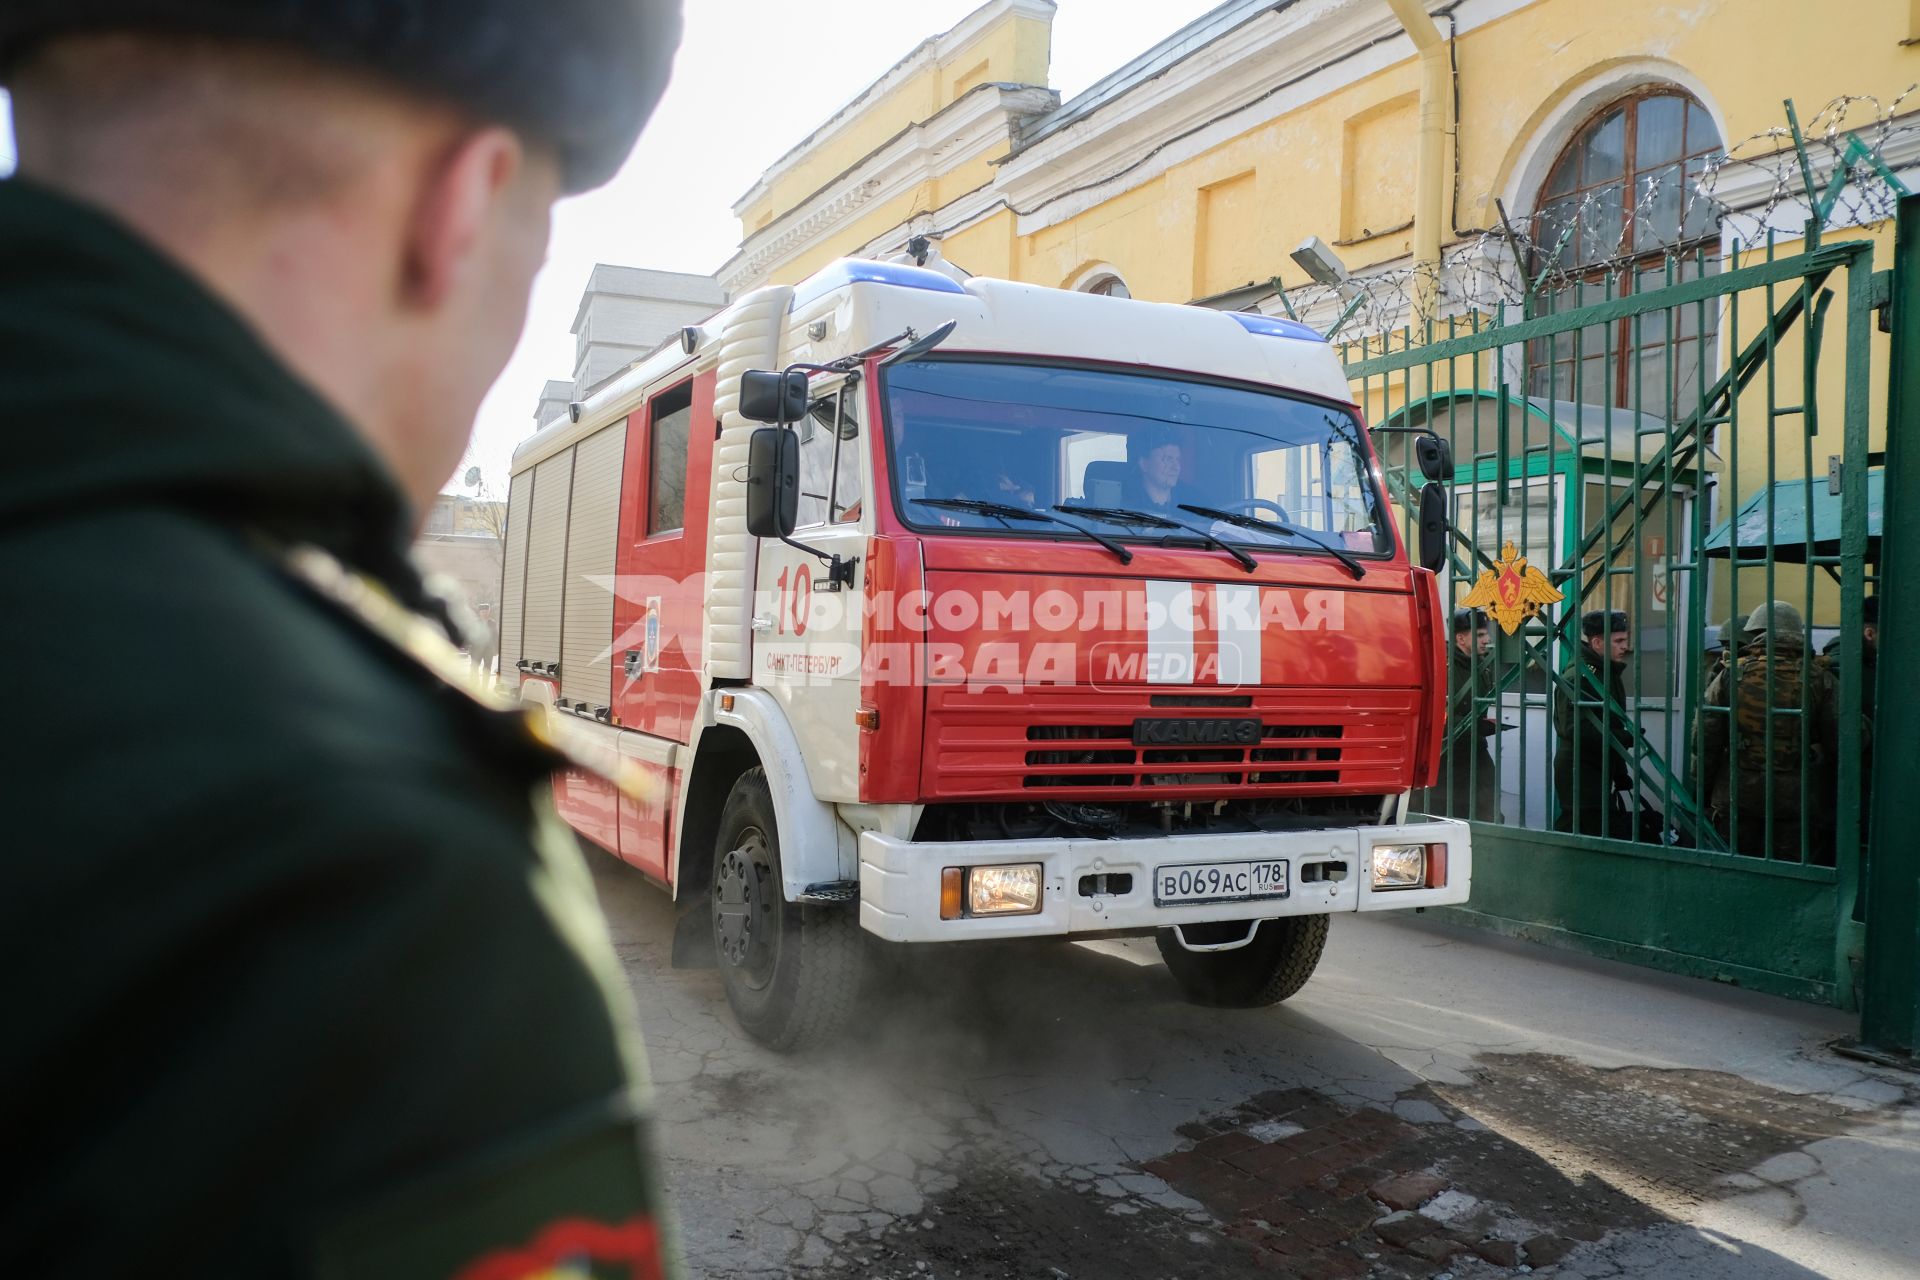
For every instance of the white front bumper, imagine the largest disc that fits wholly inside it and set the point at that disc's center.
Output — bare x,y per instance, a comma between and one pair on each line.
900,879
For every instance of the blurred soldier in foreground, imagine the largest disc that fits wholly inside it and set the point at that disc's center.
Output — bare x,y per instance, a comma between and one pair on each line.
1594,740
306,980
1469,784
1779,733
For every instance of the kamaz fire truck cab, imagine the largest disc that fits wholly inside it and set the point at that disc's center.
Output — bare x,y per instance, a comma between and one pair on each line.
963,610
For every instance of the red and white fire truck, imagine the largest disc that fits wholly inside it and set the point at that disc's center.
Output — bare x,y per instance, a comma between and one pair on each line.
946,610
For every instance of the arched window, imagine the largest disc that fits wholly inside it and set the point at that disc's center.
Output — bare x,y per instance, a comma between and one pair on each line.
1107,286
1621,213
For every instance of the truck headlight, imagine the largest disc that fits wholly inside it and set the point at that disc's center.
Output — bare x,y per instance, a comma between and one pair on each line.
1400,866
990,891
1410,866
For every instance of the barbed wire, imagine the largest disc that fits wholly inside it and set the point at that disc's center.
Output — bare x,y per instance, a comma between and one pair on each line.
1589,244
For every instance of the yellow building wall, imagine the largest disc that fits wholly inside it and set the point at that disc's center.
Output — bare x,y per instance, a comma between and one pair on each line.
1342,167
990,243
1013,51
1379,146
870,223
985,249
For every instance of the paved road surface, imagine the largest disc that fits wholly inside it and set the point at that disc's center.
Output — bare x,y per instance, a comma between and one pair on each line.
1435,1102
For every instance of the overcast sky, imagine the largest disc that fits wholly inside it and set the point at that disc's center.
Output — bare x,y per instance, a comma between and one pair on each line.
753,77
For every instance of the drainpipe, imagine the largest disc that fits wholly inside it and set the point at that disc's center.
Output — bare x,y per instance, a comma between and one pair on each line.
1429,172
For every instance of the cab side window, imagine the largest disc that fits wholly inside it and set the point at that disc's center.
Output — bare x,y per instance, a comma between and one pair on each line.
831,486
1321,486
668,422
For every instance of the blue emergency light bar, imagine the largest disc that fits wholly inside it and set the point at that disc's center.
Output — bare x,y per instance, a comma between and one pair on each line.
839,275
1275,327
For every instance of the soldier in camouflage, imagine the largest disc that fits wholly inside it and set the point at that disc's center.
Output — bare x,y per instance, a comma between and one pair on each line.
1770,741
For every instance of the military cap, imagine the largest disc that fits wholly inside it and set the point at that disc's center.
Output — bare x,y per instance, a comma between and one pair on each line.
581,76
1870,611
1598,622
1468,620
1779,617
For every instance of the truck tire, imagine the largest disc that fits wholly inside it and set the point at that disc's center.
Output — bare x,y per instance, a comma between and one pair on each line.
792,972
1277,963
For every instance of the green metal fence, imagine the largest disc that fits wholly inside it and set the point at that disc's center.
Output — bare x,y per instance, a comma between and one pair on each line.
1674,448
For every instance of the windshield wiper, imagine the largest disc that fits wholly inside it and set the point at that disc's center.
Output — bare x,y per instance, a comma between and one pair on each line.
1126,515
1005,512
1274,526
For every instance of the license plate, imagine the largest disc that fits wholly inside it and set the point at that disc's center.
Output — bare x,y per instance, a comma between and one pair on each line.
1219,882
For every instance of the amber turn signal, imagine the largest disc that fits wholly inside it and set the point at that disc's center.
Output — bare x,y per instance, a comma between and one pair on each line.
953,887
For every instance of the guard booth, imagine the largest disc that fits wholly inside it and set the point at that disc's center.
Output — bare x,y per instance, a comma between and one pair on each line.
1674,446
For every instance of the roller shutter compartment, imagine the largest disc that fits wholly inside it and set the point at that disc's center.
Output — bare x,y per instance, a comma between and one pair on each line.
586,665
547,559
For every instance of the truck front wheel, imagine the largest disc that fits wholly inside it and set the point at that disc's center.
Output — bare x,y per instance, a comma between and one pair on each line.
1277,963
792,972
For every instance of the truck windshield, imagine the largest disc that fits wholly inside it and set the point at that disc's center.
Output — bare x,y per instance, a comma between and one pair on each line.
1112,446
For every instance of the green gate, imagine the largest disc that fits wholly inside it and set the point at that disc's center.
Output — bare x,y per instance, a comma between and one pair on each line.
1671,457
1890,996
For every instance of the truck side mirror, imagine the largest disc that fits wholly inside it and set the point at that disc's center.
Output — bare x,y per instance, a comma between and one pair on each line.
773,479
1435,457
1433,527
773,397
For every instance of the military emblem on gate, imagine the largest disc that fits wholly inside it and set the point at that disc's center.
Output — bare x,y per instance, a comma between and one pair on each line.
1511,592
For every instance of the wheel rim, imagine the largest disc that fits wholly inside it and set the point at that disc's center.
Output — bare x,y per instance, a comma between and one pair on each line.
744,928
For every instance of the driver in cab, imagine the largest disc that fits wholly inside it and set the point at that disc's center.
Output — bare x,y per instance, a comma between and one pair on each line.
1150,486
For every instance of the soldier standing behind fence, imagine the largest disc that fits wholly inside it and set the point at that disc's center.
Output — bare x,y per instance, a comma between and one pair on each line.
1869,682
1594,739
1720,650
1722,642
1469,780
1772,683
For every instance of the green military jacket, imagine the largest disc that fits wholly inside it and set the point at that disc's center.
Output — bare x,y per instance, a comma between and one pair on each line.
1469,780
1594,751
296,984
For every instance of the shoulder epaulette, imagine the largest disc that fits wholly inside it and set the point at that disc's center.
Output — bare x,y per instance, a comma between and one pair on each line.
421,641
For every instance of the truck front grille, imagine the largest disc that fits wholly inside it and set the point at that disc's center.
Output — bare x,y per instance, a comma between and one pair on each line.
1081,741
1111,745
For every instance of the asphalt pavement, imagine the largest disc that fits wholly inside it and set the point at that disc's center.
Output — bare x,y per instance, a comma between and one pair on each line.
1435,1102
